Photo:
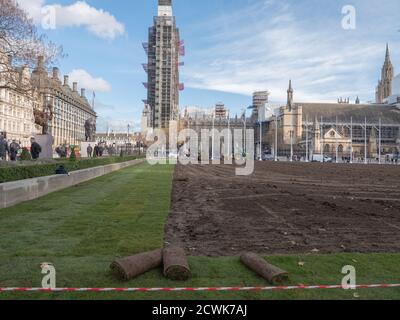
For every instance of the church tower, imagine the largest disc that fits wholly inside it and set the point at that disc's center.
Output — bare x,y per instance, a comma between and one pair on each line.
163,50
384,88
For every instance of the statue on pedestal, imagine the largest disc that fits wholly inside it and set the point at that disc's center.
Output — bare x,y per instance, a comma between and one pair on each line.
43,117
90,129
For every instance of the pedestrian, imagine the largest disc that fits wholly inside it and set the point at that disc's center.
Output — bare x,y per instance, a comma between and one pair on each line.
100,150
89,151
36,149
61,170
14,148
96,151
3,148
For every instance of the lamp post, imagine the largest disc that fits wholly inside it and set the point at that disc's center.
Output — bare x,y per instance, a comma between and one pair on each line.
307,156
380,140
276,138
365,143
351,140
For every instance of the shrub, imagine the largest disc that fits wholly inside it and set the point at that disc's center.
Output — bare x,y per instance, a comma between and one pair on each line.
72,157
20,172
25,155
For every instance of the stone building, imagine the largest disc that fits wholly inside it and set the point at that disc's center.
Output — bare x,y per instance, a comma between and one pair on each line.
119,139
219,119
70,109
343,129
384,88
16,107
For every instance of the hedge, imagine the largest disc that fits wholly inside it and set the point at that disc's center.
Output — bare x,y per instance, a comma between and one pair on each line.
21,172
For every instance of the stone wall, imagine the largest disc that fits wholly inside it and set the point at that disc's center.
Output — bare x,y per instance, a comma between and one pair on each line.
12,193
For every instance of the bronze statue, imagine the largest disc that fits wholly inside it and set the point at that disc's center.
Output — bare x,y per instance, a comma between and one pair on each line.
43,117
90,129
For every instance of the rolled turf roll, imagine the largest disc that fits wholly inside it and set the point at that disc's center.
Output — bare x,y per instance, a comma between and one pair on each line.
176,266
269,272
131,267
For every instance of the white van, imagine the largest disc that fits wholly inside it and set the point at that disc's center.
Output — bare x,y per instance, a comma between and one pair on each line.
321,158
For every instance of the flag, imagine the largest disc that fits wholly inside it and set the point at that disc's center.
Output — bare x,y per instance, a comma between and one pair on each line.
146,85
182,50
181,86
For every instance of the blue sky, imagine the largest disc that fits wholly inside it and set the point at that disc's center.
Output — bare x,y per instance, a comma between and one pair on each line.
233,47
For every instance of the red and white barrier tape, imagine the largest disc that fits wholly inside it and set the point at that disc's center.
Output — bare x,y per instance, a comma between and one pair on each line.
209,289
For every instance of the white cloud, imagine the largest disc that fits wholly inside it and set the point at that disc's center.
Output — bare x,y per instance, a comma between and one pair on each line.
277,44
79,14
112,119
87,81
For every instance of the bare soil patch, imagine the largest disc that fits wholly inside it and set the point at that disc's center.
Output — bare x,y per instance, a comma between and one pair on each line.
285,208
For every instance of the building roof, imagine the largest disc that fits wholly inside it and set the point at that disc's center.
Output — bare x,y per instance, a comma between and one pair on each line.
344,112
45,83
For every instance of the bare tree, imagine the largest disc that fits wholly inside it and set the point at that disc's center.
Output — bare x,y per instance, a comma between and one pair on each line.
20,46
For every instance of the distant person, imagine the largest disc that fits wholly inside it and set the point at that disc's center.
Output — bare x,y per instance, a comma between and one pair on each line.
14,148
61,170
36,149
63,151
3,148
96,151
89,151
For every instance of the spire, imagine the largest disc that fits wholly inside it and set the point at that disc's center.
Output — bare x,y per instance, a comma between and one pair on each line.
387,52
290,96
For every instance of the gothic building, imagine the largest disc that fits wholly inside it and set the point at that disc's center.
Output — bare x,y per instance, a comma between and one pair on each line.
384,88
163,50
350,130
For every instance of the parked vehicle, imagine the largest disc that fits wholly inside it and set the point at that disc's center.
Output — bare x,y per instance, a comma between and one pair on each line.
268,157
321,158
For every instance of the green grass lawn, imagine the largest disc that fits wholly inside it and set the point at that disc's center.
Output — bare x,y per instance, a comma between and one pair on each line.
82,229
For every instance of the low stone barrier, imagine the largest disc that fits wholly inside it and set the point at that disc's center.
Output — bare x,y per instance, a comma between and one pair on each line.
12,193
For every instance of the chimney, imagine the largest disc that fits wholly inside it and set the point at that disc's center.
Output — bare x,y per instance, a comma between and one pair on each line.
40,62
83,92
66,80
9,60
75,87
56,74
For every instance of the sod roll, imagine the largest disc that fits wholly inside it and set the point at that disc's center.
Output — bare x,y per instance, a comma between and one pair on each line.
269,272
131,267
176,266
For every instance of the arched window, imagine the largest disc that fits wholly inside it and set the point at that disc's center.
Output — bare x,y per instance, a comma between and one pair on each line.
327,148
340,148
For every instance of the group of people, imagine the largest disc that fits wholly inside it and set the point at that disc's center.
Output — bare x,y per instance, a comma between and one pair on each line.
11,150
64,150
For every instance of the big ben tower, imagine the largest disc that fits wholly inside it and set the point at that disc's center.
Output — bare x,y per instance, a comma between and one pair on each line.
163,50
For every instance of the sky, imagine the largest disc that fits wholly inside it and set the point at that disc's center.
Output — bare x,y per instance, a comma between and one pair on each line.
233,48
